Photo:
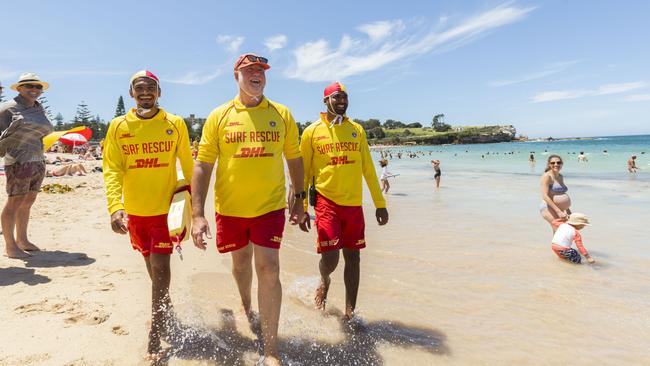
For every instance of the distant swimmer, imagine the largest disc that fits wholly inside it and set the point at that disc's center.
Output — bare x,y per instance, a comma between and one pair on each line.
437,172
138,192
531,158
605,152
631,164
555,201
567,234
385,174
339,216
582,157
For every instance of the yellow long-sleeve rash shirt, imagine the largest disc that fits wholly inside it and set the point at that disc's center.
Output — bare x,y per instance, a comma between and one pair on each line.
139,162
249,144
337,157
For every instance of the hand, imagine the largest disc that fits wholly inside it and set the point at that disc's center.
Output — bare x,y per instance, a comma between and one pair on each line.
563,215
305,223
119,220
590,260
199,227
297,212
382,216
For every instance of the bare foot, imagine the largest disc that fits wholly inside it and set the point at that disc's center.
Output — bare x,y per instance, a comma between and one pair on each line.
321,294
254,322
17,253
268,361
153,347
28,247
349,315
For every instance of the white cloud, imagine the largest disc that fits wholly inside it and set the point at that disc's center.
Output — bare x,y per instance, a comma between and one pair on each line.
637,98
606,89
193,78
377,31
547,71
275,42
231,43
318,61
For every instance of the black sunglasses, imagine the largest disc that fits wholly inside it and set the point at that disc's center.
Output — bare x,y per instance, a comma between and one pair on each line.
253,58
33,86
556,163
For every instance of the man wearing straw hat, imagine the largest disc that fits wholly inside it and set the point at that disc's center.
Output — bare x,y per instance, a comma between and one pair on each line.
139,168
23,124
337,159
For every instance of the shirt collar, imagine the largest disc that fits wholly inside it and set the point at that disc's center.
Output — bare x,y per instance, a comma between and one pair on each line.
132,116
23,101
239,105
323,119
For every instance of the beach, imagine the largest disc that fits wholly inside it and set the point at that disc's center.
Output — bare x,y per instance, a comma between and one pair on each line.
461,275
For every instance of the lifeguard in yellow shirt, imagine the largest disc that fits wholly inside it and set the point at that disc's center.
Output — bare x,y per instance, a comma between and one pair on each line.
139,166
336,157
248,137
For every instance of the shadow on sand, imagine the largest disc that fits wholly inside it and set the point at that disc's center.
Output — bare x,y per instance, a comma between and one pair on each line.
57,258
226,346
12,275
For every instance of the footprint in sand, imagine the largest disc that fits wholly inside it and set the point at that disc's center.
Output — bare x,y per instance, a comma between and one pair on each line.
76,312
103,286
118,330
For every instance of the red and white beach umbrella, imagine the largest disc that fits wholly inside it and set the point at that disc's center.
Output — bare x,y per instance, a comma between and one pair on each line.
76,138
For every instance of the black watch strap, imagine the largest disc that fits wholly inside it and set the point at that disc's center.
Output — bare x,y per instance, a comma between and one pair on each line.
301,195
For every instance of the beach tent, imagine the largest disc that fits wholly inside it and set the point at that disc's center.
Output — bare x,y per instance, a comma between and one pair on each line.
50,139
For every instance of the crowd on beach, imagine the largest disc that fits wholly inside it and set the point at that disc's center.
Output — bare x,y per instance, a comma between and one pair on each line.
251,138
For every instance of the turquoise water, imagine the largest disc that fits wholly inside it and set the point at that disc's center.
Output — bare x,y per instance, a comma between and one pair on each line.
512,157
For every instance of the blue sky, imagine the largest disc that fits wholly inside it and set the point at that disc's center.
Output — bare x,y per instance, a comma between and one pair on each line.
551,68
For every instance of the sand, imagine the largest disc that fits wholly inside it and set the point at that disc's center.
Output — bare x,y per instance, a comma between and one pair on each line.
463,275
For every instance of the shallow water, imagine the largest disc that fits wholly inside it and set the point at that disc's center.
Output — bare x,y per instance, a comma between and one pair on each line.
461,275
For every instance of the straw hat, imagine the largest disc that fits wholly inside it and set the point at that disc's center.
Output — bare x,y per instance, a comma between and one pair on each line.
578,219
29,78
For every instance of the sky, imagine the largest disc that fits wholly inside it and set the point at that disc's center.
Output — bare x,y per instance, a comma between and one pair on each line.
550,68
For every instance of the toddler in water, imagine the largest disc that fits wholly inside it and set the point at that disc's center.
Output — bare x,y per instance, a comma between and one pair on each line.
568,233
385,186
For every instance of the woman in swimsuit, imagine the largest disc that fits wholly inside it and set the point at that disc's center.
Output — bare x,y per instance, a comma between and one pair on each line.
555,201
438,173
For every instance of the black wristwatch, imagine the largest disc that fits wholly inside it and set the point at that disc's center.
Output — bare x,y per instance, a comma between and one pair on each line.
302,195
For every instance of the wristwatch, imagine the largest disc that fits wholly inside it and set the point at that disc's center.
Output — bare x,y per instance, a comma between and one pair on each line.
302,195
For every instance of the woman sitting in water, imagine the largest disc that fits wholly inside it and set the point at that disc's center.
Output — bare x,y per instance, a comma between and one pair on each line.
555,200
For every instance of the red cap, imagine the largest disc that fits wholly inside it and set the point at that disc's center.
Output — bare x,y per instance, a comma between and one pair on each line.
243,61
334,87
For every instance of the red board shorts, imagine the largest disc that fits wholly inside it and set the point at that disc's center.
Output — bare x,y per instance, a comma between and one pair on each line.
24,177
338,226
150,234
234,233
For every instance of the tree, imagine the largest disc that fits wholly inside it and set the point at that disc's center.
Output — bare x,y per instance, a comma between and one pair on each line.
414,125
46,106
120,110
438,124
59,125
407,132
83,116
98,127
377,133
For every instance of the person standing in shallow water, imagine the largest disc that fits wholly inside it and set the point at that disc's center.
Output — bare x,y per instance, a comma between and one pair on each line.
138,194
437,172
555,200
23,124
337,157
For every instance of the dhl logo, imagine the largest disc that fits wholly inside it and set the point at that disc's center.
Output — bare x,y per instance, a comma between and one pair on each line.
147,163
234,124
163,245
340,160
252,152
276,239
322,137
126,135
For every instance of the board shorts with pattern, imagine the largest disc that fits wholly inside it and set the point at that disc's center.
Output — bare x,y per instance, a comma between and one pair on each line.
24,177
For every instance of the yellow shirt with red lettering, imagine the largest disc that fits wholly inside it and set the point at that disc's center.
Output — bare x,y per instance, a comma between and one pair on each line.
337,157
139,162
248,144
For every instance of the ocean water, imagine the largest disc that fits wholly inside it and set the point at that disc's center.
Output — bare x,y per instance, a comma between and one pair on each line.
463,274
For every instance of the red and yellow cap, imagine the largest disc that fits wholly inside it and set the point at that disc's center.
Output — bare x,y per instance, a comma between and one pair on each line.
145,74
334,88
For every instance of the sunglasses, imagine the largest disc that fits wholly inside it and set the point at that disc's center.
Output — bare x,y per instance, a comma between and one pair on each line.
555,163
253,58
33,86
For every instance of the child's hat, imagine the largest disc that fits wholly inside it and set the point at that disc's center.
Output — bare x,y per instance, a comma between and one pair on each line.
578,219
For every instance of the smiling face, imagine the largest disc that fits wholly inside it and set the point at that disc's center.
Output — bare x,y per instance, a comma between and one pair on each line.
338,102
251,80
31,92
146,92
555,163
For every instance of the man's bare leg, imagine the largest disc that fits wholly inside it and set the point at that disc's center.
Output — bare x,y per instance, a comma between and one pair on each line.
22,220
242,271
351,277
269,297
8,218
160,273
327,264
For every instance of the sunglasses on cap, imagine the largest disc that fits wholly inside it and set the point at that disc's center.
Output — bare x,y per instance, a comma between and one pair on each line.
253,58
555,163
33,86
